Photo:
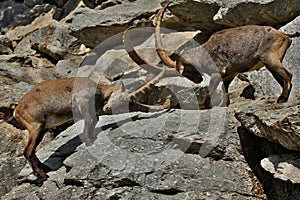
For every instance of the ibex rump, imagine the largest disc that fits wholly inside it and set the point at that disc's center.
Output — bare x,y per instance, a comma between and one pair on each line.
55,102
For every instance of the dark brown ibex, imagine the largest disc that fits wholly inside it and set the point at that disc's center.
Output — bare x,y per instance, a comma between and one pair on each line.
55,102
233,51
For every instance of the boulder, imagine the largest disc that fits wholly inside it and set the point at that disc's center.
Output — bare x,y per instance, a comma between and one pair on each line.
210,16
275,166
92,26
11,93
146,155
21,15
9,11
271,12
30,69
52,40
11,151
285,167
275,122
207,16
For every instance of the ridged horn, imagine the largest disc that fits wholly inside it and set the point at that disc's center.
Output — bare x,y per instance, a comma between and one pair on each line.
143,63
133,95
163,54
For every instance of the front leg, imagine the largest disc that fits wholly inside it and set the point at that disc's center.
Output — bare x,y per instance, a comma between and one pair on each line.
90,121
226,82
88,131
216,99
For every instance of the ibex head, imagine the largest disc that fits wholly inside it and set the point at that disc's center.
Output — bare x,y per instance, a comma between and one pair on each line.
121,98
187,69
118,101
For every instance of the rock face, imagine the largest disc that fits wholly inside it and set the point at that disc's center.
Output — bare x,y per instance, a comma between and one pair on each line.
155,155
275,164
278,123
284,167
213,15
248,150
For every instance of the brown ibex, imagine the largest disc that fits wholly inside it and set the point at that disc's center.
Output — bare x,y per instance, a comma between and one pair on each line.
55,102
233,51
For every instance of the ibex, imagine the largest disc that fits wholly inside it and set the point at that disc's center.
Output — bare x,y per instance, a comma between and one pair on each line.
55,102
233,51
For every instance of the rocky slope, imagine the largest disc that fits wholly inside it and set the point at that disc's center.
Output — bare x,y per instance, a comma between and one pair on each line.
246,151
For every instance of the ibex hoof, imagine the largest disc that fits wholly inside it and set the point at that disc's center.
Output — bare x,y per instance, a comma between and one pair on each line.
89,142
42,175
282,99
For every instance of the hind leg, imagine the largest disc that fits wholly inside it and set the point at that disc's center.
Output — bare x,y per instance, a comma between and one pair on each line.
36,134
88,132
282,76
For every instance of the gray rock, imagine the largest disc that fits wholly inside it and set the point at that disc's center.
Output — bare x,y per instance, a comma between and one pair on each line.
21,15
18,33
32,3
291,59
30,69
5,45
11,152
143,154
271,12
284,167
8,70
276,122
9,12
52,40
9,169
68,67
94,26
11,93
214,15
256,149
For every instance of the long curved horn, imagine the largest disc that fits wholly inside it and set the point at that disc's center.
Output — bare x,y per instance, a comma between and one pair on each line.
143,63
133,95
166,105
163,54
